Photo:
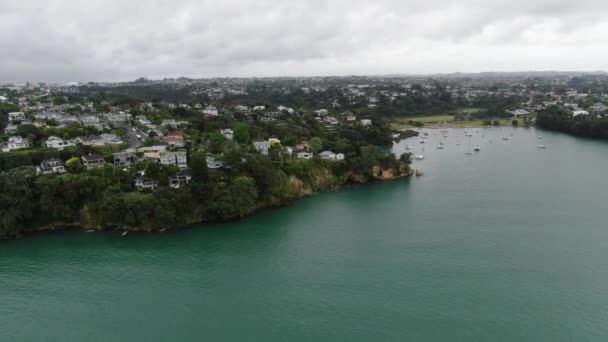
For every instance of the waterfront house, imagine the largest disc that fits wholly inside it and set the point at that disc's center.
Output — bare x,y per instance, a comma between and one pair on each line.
93,161
183,177
146,184
305,155
15,143
214,164
51,166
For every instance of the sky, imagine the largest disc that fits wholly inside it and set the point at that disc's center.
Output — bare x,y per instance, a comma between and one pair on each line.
119,40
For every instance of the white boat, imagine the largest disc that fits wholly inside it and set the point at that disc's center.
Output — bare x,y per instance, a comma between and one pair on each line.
440,147
125,232
422,141
419,157
469,153
469,135
541,146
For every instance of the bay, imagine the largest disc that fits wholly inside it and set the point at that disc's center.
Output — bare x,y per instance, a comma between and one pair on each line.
507,244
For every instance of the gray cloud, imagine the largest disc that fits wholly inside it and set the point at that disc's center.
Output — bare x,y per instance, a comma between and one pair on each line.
63,40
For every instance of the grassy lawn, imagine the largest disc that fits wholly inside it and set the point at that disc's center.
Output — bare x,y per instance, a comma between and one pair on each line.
400,123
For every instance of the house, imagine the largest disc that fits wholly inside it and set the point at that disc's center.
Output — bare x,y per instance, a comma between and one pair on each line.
178,159
327,155
91,140
322,112
262,146
58,143
51,166
228,133
366,122
153,152
169,123
286,109
183,177
10,129
210,111
15,143
146,184
519,113
241,108
267,119
214,164
598,108
111,139
16,116
93,161
124,158
579,112
143,120
174,139
259,108
304,155
119,117
89,120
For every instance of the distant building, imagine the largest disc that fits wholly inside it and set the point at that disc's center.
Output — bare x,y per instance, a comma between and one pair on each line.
214,164
15,143
183,177
146,184
210,111
16,116
227,133
125,158
304,155
366,122
93,161
580,112
51,166
58,143
262,146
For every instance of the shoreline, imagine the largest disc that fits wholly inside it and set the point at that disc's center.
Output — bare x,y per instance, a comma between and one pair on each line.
385,175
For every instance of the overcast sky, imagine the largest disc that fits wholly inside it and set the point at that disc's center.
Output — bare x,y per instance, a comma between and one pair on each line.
108,40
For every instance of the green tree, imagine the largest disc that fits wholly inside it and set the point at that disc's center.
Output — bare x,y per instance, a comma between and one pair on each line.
241,133
315,144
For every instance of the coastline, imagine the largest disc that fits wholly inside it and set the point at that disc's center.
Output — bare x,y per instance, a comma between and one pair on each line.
378,174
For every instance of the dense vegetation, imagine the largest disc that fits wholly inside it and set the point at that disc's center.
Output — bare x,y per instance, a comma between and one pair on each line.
559,119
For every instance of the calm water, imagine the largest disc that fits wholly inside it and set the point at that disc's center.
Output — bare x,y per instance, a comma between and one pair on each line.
509,244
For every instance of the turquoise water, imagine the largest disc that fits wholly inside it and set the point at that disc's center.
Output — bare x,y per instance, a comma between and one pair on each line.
508,244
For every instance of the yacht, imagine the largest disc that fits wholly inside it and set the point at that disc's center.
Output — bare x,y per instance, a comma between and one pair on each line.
419,157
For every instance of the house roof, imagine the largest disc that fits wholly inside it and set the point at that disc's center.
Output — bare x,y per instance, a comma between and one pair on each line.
92,157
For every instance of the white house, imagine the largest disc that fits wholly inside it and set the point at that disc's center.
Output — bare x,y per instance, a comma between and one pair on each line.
228,133
58,143
153,152
262,146
178,159
16,116
579,112
51,166
111,139
305,155
211,111
322,112
91,140
10,129
366,122
327,155
146,184
15,143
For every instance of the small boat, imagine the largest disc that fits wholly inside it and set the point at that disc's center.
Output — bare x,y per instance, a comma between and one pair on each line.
419,173
125,232
505,138
469,153
444,131
541,146
540,137
422,141
477,149
469,135
419,157
426,133
440,147
408,147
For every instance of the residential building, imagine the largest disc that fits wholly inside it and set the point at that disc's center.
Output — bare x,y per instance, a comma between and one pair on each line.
327,155
178,159
124,158
153,152
321,112
262,146
366,122
214,164
15,143
111,139
210,111
51,166
93,161
304,155
58,143
91,140
10,129
146,184
16,116
579,112
227,133
183,177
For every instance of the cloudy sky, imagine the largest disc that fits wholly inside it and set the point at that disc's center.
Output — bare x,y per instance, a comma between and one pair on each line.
107,40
